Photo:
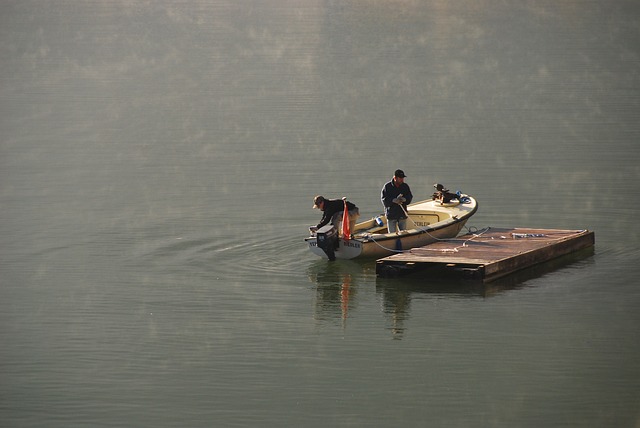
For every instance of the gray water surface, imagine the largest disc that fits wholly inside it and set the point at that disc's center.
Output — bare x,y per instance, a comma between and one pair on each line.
158,162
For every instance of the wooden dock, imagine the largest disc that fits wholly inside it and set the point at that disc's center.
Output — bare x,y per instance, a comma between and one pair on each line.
488,254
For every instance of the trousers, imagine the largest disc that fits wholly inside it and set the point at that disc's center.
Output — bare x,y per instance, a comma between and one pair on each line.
394,225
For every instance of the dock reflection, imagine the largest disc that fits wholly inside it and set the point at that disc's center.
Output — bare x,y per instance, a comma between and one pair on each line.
337,286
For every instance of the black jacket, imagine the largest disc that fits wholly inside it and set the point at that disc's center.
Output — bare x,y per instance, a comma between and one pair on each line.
389,192
331,207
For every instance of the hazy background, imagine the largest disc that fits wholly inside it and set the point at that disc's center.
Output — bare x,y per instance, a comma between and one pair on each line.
158,162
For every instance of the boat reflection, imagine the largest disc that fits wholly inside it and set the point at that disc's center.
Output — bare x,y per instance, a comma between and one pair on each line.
337,286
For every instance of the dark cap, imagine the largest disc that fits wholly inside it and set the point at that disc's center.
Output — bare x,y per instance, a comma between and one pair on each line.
317,201
399,173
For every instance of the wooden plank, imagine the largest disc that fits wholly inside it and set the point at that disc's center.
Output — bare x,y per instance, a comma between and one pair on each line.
492,253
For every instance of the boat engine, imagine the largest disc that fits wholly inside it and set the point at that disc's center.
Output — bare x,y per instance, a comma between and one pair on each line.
327,239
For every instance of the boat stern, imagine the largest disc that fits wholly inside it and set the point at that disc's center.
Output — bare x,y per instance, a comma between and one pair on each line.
327,243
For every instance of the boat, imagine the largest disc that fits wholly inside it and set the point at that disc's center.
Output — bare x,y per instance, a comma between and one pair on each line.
428,221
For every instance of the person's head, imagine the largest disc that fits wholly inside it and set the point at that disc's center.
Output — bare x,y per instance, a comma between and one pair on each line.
318,202
399,176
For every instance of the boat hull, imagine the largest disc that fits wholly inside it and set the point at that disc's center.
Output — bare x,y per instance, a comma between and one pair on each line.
430,220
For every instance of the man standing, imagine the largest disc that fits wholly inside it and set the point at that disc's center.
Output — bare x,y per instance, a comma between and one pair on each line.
395,196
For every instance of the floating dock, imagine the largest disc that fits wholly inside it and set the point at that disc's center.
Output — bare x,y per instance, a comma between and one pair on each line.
488,254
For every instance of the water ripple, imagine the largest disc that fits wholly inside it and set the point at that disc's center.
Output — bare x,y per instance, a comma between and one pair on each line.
250,255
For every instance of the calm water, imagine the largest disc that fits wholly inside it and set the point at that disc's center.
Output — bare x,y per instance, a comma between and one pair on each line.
157,166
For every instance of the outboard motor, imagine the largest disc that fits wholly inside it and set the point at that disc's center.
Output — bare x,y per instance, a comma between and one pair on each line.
327,239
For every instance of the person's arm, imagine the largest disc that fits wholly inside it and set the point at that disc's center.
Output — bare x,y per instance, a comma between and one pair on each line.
324,220
330,208
408,196
385,197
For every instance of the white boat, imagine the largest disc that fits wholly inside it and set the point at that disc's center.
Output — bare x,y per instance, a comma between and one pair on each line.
429,221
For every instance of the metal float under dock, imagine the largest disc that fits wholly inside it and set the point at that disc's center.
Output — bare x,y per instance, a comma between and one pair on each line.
489,254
